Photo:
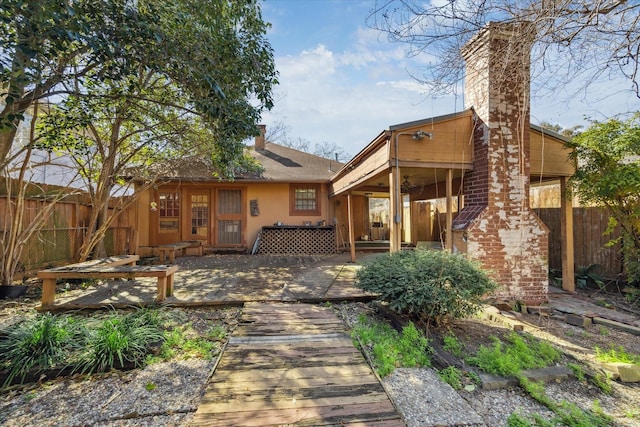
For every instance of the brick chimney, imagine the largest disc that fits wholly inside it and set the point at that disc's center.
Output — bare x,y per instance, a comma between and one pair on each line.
260,141
496,225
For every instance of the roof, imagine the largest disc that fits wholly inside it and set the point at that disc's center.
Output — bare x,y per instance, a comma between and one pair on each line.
430,120
281,164
287,164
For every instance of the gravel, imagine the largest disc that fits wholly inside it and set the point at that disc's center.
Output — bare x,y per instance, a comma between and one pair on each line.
162,394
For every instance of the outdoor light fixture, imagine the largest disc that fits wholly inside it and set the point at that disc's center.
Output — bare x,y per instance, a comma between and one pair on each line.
420,134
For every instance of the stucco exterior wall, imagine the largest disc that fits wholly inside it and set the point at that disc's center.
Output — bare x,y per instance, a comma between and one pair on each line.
272,199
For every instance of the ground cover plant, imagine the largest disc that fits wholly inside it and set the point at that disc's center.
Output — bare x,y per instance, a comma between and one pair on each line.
42,342
434,286
617,354
388,348
120,340
520,352
53,344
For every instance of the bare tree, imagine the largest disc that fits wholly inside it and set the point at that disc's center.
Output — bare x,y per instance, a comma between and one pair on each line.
18,229
279,134
573,39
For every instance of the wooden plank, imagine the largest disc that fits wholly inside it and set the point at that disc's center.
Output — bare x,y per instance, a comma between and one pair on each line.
244,381
297,373
272,394
210,403
275,330
267,376
261,362
109,272
371,414
566,232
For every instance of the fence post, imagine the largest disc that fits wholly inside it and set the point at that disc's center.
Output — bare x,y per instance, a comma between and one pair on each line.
566,231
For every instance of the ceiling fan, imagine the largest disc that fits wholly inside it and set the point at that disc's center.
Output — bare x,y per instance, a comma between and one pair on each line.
406,186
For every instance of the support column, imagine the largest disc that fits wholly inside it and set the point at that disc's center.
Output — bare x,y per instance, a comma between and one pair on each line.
566,231
449,222
352,235
396,208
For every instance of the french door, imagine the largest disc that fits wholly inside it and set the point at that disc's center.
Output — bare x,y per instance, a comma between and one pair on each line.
217,217
200,203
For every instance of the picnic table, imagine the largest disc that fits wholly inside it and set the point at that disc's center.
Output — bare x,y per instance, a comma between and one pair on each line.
119,267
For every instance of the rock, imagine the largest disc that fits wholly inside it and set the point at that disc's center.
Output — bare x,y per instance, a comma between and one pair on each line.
625,372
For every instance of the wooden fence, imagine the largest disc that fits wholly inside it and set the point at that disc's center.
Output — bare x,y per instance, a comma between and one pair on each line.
590,243
60,238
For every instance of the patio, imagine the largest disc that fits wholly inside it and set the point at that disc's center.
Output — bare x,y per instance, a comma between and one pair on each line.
233,280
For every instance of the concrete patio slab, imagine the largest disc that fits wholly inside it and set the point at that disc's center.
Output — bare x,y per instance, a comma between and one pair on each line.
234,280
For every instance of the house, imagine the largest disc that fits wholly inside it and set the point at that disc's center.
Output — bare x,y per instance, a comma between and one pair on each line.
192,204
481,161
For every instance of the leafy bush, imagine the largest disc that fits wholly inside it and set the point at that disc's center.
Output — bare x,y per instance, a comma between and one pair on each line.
452,344
391,349
452,376
40,343
521,352
617,354
122,339
430,284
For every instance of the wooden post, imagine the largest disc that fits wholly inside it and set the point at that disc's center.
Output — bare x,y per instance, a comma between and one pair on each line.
566,230
396,209
162,289
449,222
48,292
352,235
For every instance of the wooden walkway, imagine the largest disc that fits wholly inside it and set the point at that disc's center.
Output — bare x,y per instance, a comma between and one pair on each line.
293,364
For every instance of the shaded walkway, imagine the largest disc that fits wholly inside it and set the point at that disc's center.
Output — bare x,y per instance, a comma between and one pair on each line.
293,364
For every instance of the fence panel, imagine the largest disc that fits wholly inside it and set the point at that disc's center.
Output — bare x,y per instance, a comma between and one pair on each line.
118,240
589,225
50,247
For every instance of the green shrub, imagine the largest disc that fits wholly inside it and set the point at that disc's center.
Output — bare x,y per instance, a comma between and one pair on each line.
521,352
452,344
122,339
616,355
430,284
40,343
391,349
452,376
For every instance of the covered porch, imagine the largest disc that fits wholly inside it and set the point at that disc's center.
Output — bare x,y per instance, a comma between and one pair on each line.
406,187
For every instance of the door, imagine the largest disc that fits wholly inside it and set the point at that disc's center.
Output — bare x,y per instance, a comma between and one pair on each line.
229,215
200,216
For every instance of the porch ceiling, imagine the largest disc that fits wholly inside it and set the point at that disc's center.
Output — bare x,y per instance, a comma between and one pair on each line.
419,178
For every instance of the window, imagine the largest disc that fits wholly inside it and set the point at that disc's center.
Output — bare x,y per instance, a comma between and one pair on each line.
169,208
305,199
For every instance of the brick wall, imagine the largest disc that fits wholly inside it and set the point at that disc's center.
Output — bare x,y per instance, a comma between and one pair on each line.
500,230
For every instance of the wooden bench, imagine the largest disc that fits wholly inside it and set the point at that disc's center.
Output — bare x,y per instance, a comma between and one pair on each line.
108,268
180,249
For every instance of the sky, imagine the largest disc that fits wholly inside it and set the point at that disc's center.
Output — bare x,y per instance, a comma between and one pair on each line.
343,83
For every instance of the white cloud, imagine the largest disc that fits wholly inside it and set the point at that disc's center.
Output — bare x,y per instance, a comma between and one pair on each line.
312,63
348,97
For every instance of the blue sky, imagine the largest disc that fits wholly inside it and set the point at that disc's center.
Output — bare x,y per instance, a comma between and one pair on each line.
344,83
